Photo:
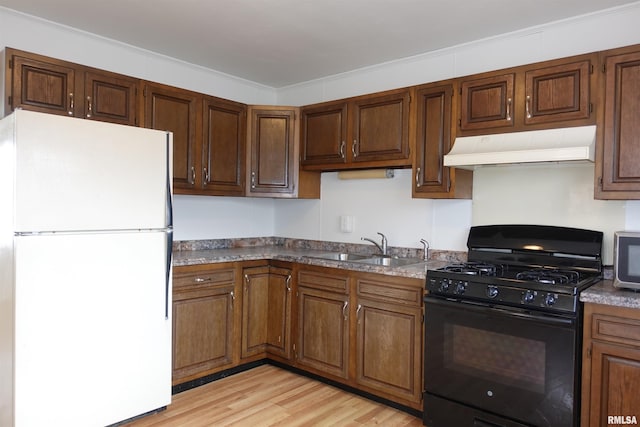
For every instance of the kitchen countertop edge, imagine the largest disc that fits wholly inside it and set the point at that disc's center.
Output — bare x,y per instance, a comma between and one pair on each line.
605,293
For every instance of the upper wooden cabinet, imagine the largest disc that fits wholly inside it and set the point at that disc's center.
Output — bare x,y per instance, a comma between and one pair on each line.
361,132
434,138
273,160
208,138
548,94
48,85
618,156
487,102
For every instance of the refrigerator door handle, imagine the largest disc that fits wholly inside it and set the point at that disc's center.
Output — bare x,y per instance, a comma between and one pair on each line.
169,207
167,285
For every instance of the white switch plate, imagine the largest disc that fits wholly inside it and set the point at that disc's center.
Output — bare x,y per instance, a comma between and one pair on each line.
346,223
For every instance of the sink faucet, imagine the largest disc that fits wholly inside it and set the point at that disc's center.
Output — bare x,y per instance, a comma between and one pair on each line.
382,247
426,249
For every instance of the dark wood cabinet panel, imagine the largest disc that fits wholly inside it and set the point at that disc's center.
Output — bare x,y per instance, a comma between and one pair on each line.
323,321
203,321
223,147
487,102
279,313
324,134
44,85
381,127
110,98
434,107
558,93
255,309
611,364
176,110
360,132
619,161
53,86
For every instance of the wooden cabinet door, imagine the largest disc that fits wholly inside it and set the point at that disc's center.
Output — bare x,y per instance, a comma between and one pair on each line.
110,98
323,331
380,127
203,304
279,313
223,147
273,146
47,86
175,110
487,103
615,382
620,163
324,134
558,93
255,309
389,336
433,139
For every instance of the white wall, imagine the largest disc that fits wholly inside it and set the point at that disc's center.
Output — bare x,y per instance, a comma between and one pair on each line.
385,207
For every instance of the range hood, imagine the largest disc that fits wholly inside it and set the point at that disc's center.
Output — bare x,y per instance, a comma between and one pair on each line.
552,145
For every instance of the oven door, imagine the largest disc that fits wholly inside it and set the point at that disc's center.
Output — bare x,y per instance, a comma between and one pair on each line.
502,361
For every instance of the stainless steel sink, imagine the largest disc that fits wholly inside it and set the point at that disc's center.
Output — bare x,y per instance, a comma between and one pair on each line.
390,261
341,256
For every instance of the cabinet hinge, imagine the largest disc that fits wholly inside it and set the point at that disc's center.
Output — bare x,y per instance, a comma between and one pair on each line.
590,107
11,63
604,68
589,352
600,181
459,122
460,91
591,69
10,100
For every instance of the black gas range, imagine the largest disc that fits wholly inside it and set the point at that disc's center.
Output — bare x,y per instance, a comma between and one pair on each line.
503,330
533,267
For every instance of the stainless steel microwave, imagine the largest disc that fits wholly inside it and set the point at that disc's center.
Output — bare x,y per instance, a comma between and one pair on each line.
626,259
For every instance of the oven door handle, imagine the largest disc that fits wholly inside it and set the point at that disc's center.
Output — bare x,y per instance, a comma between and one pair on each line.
513,313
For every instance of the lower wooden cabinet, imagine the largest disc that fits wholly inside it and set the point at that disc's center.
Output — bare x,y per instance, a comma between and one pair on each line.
389,336
323,322
363,330
611,365
266,312
203,320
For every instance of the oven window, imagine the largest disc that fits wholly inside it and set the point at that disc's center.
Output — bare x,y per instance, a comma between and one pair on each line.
507,359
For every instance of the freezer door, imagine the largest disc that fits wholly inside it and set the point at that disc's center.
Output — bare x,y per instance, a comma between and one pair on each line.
75,174
93,334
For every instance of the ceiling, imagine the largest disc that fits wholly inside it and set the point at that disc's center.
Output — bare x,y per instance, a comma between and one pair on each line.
282,42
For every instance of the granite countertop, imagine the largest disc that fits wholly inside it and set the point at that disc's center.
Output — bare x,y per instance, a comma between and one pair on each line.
603,292
299,255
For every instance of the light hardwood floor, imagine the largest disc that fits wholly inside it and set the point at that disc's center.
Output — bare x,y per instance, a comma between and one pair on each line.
270,396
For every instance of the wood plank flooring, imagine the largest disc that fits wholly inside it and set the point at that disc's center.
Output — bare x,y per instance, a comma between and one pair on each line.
270,396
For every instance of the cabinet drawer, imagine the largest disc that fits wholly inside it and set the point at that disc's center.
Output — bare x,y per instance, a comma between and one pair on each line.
615,329
326,281
389,292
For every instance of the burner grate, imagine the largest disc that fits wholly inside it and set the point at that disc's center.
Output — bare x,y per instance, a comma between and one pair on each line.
550,276
475,269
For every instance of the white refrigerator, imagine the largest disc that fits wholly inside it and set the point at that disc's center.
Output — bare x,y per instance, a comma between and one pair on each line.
85,271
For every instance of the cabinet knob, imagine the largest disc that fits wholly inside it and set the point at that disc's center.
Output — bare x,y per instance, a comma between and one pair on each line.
193,175
253,180
354,148
509,109
527,106
418,183
342,144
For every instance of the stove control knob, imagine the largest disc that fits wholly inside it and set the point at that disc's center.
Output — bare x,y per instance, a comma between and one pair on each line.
529,296
460,287
444,285
492,291
550,299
